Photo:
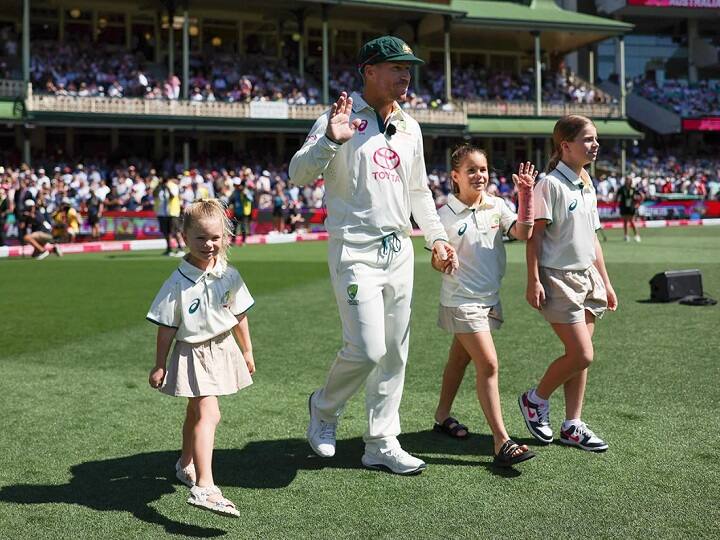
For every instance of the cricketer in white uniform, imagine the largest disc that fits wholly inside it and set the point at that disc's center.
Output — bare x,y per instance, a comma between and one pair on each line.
370,153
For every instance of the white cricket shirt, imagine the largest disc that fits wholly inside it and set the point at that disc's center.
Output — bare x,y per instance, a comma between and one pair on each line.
476,233
201,305
568,202
374,181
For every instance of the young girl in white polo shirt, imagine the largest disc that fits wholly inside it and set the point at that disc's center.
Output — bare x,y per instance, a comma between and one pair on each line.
202,306
567,280
470,308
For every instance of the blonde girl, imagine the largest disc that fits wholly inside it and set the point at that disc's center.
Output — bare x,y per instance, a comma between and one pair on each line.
475,223
202,307
567,280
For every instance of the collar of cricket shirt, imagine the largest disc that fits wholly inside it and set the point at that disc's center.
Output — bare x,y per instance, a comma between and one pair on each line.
582,180
457,206
194,274
359,105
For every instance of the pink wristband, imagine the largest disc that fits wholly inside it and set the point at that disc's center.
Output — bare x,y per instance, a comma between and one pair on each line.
526,210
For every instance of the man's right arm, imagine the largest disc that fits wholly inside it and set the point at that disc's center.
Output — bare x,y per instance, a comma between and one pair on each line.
314,155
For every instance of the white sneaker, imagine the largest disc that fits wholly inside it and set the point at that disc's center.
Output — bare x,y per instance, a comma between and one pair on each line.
627,238
537,418
395,460
320,434
42,255
582,437
637,238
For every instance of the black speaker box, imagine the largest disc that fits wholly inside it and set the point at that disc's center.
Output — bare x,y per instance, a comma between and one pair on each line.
668,286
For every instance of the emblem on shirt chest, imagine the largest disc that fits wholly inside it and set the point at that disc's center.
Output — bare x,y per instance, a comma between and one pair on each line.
573,206
194,306
462,229
386,160
225,300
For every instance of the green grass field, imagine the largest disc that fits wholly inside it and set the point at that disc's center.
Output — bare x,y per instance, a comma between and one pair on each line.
87,448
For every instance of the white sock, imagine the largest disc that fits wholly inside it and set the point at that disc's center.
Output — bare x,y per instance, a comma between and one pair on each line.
572,422
536,399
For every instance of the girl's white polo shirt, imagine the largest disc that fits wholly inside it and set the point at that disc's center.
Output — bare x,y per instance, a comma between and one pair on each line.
569,204
201,304
476,233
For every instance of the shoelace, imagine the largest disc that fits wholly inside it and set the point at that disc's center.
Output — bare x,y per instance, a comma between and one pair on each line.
397,453
392,243
327,430
543,414
583,429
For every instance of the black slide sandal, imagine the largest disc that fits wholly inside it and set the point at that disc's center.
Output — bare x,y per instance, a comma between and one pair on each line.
450,427
507,456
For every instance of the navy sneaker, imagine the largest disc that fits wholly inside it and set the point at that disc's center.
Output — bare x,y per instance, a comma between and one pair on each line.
582,437
537,418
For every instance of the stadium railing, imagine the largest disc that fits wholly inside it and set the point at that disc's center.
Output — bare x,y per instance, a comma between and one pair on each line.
527,108
164,107
219,109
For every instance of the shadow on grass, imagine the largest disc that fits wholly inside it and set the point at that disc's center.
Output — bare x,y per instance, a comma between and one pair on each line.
428,444
126,484
132,483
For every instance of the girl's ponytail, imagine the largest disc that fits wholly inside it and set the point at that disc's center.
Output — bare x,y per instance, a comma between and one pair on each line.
554,160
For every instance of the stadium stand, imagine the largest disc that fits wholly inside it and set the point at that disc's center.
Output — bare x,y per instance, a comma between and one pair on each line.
686,99
254,88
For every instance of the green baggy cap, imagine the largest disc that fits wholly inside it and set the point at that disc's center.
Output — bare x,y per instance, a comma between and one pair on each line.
386,49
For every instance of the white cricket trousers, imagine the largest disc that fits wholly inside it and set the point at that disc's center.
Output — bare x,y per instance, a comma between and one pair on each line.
373,288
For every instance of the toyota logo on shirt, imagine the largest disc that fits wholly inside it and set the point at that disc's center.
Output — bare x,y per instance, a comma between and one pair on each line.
386,158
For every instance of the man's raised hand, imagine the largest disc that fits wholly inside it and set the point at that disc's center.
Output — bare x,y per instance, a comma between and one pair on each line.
339,128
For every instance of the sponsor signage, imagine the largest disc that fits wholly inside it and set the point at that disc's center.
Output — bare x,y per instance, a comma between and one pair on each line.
694,4
676,209
278,110
701,124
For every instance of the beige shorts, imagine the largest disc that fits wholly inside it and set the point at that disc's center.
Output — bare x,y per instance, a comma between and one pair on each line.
41,237
213,368
569,293
470,318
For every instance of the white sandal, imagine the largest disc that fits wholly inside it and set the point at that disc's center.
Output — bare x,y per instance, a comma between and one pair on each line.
185,474
200,497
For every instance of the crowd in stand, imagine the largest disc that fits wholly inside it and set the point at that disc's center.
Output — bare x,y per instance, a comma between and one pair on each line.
95,69
657,175
683,98
478,83
129,186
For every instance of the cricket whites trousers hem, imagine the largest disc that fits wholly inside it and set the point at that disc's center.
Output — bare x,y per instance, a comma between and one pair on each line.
373,288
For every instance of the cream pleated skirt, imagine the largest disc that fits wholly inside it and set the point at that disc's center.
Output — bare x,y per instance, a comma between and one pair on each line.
213,368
